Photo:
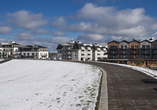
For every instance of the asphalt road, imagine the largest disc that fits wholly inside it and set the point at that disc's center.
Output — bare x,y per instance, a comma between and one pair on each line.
126,90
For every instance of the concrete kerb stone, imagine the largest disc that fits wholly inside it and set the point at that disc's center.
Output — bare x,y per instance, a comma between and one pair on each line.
103,92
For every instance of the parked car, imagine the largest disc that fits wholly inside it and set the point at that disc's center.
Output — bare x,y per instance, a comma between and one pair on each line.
16,56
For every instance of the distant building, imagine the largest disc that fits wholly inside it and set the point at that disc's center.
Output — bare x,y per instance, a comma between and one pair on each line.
36,52
7,49
78,51
126,52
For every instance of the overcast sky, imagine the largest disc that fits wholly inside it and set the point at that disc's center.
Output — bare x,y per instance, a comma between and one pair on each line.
51,22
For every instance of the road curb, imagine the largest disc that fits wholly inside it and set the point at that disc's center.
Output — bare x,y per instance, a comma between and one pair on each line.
6,60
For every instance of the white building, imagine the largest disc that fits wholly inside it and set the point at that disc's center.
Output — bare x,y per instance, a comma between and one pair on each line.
36,52
7,49
78,51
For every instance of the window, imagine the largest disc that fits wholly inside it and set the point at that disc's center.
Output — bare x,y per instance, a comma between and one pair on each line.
32,54
134,46
155,46
124,47
113,47
155,51
24,54
145,46
27,54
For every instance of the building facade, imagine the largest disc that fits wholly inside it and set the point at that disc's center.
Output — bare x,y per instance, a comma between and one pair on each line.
35,52
7,49
29,51
126,52
78,51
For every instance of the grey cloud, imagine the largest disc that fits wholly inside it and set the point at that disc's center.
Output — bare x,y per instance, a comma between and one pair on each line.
59,33
41,31
5,29
26,20
24,36
91,37
60,23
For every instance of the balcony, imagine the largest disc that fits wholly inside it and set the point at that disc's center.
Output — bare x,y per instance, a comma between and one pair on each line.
146,58
123,53
123,57
113,57
123,48
134,48
113,48
155,53
145,53
134,53
68,48
113,53
68,52
145,48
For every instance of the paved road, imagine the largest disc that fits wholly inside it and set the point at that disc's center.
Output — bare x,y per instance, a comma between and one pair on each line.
126,90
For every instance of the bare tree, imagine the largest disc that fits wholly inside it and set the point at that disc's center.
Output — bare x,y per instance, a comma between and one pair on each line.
138,61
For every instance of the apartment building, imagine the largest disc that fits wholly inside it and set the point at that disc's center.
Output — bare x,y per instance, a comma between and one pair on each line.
29,51
9,48
35,52
126,52
80,51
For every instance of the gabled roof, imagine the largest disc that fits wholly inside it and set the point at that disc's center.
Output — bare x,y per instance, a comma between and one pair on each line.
135,41
28,46
15,44
146,41
39,46
114,41
35,46
125,41
155,40
59,47
77,46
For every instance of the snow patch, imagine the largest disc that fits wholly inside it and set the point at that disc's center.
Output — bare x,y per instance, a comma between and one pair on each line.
48,85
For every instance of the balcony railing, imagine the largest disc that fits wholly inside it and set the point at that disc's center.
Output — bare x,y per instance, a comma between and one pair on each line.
113,53
145,57
145,53
145,48
123,53
68,52
113,48
123,48
124,57
134,52
113,57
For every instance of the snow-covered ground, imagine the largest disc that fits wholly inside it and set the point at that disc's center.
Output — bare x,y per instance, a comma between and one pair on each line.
1,59
48,85
152,73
